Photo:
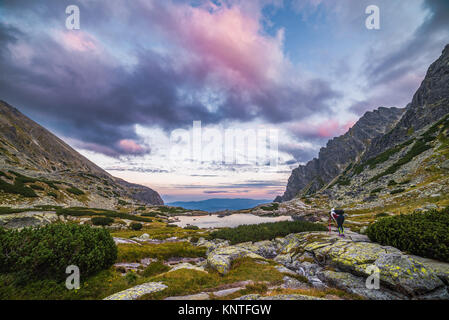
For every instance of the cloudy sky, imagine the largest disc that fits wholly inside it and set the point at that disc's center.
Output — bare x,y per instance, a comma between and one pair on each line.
126,88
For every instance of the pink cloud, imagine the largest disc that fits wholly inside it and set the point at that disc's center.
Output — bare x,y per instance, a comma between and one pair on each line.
226,42
130,146
78,41
324,129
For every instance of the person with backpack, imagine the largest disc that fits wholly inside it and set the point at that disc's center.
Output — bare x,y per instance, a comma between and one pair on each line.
339,217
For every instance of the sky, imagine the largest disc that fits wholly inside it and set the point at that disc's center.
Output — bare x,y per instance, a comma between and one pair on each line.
200,99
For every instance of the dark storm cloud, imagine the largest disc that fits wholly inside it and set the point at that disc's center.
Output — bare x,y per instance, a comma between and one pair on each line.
397,73
87,96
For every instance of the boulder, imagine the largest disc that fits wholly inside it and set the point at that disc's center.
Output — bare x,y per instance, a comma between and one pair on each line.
355,285
221,258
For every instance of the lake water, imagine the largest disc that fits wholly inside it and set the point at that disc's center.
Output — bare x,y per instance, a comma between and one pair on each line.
231,221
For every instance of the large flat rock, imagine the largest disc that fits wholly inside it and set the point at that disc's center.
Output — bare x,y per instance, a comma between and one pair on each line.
138,291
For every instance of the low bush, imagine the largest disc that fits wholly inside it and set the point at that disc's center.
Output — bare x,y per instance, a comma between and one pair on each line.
131,277
164,251
17,188
36,187
265,231
164,209
8,210
191,227
155,268
392,183
400,190
102,221
377,190
79,212
46,252
136,226
273,206
382,214
149,214
52,194
75,191
423,234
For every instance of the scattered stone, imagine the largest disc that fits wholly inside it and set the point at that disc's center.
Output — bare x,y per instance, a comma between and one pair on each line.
292,283
124,241
282,269
138,291
199,296
187,266
226,292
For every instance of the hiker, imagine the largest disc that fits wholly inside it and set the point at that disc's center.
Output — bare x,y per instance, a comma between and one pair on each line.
339,218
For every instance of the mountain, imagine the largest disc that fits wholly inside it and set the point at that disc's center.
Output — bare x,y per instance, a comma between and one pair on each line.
33,158
339,152
387,152
213,205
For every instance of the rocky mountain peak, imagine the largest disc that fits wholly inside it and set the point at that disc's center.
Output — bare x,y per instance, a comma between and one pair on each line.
31,150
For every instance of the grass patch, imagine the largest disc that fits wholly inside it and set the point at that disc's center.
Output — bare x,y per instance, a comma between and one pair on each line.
184,282
154,269
164,251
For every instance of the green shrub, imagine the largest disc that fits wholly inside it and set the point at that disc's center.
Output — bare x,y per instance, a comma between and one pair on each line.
149,214
265,231
131,277
102,221
17,188
36,187
392,183
164,209
273,206
136,226
46,252
75,191
8,210
377,190
382,214
79,212
423,234
122,202
191,227
52,194
155,268
171,225
400,190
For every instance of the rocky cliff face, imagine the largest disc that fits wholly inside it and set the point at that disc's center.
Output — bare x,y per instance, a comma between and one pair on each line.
30,150
430,103
340,152
379,139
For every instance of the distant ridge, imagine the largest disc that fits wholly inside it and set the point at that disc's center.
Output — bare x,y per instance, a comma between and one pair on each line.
217,204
